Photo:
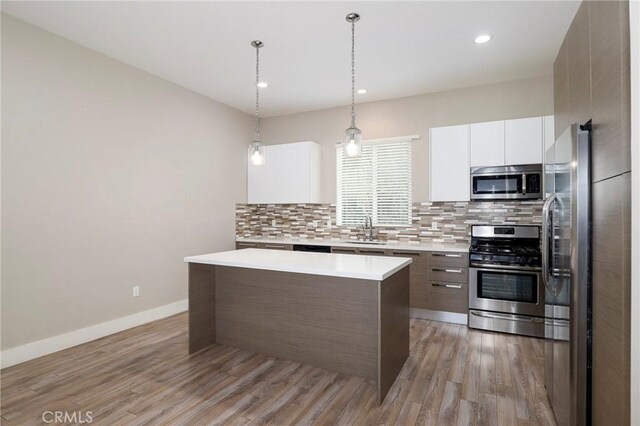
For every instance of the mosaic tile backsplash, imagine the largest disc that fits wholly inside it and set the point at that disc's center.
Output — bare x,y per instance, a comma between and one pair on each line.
442,222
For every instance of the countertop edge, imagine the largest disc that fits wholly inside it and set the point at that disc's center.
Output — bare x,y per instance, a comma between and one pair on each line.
448,247
301,270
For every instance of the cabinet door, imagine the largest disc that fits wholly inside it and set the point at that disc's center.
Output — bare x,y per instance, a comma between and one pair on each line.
610,107
487,144
417,277
291,174
523,139
449,152
260,181
611,294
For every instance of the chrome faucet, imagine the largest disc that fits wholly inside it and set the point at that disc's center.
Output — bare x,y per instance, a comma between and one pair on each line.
367,228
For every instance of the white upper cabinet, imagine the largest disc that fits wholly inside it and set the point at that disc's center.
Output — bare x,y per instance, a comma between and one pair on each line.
524,141
449,160
487,144
455,149
291,174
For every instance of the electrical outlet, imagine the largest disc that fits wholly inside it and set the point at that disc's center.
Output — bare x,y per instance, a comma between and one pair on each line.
136,291
329,223
434,226
273,223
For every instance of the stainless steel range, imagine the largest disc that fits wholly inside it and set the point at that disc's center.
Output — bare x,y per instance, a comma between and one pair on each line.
506,291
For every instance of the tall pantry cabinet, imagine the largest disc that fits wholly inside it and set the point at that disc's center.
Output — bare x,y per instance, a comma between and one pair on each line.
591,81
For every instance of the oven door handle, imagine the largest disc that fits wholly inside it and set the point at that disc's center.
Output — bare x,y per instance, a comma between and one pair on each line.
546,262
507,317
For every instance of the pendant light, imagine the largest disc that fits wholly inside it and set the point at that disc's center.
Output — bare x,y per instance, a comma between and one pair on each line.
256,149
353,136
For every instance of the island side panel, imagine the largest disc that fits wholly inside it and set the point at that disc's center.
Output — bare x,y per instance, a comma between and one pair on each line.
394,329
202,306
328,322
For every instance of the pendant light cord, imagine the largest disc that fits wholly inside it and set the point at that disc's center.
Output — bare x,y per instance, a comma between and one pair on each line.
353,73
257,94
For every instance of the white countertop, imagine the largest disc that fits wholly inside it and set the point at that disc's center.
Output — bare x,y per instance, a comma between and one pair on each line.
448,247
331,264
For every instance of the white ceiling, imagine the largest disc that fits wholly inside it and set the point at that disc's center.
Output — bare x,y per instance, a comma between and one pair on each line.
402,48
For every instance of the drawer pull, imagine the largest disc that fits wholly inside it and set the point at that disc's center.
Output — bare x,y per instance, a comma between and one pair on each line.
372,251
406,253
452,271
446,255
247,244
272,246
447,285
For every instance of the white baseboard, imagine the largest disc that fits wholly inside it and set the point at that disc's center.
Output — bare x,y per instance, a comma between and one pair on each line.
50,345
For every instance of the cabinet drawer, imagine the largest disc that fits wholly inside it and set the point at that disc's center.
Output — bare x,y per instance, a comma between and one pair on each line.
447,258
343,250
448,274
448,296
240,245
372,252
276,246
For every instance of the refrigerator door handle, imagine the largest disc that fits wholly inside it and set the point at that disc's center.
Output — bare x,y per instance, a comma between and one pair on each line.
546,261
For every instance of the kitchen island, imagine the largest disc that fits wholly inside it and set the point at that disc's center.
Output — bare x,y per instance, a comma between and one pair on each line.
347,313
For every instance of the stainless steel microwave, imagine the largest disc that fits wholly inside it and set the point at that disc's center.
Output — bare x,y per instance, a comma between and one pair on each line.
520,182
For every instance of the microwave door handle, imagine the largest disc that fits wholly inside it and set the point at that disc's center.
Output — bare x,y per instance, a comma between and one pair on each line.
546,266
524,184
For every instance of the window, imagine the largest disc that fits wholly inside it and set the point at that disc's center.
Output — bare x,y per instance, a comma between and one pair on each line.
377,184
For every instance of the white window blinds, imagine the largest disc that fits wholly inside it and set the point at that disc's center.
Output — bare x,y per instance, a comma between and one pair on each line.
377,184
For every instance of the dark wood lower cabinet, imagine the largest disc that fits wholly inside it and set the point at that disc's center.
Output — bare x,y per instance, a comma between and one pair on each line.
611,300
438,280
448,297
448,278
418,276
270,246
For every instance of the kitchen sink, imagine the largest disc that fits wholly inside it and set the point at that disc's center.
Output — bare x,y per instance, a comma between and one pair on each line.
373,243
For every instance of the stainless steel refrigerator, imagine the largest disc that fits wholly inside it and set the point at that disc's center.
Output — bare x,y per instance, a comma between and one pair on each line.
566,273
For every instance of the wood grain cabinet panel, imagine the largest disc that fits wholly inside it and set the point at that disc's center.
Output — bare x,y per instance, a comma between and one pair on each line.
445,258
417,276
276,246
270,246
448,296
611,149
579,67
243,245
561,90
454,274
372,252
344,250
447,282
611,300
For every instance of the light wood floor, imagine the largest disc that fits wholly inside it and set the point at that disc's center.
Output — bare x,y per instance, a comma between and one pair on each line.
144,376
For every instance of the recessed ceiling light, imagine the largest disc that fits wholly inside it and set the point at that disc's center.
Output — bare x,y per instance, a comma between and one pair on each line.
362,91
482,38
263,85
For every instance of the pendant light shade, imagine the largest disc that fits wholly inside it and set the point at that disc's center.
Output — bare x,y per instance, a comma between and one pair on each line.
256,148
352,141
256,153
352,144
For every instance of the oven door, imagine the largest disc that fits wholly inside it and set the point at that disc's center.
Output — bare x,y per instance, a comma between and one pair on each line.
513,291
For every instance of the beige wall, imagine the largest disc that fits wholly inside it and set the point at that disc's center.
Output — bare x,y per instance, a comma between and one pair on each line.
110,176
410,116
